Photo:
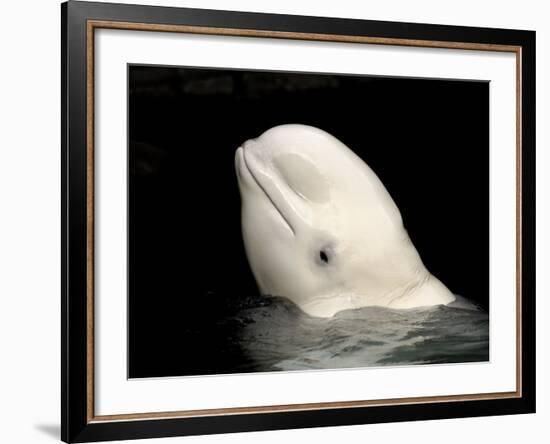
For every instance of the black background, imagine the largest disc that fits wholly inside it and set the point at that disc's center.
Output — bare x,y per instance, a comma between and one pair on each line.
427,140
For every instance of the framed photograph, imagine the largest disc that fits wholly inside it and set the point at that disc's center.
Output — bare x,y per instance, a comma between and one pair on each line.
276,221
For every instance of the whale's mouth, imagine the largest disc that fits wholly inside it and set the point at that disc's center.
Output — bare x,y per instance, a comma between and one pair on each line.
245,164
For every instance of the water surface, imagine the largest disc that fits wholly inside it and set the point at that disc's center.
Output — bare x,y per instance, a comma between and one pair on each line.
274,334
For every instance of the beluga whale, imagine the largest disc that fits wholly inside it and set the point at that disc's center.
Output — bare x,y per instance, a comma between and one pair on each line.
320,228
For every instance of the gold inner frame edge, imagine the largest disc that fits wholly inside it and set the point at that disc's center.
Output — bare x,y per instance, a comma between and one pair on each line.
105,24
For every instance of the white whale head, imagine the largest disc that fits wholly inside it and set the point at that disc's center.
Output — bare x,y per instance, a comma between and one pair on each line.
320,228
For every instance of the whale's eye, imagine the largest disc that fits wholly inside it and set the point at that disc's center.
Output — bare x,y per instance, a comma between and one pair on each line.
324,255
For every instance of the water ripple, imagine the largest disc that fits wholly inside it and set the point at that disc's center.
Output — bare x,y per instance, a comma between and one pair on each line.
276,335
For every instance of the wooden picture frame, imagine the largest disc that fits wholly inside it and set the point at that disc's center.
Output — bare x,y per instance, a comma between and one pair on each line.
80,22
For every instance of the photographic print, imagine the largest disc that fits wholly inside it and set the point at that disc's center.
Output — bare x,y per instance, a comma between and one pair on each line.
293,221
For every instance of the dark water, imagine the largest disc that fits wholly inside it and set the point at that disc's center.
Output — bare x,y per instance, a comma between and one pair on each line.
275,334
